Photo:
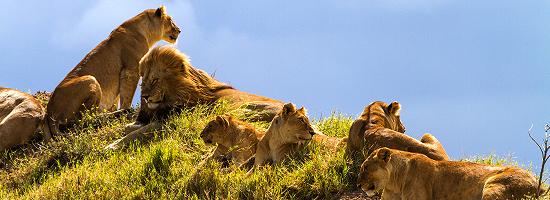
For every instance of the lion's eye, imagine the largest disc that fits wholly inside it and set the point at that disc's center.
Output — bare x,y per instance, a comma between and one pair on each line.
374,121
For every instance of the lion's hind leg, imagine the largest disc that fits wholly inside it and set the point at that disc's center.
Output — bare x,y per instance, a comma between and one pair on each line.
70,99
430,139
509,184
139,134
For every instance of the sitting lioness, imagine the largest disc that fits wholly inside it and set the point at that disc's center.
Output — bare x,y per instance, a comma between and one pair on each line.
405,175
236,140
20,117
289,131
380,126
170,82
109,73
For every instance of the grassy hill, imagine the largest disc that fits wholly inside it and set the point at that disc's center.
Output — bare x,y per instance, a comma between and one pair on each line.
166,166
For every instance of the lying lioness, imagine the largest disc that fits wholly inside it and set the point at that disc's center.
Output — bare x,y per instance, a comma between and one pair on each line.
290,131
21,115
405,175
236,140
380,126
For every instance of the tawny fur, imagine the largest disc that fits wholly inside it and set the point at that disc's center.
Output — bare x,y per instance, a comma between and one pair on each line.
236,140
108,75
333,143
170,82
380,126
289,132
412,176
21,116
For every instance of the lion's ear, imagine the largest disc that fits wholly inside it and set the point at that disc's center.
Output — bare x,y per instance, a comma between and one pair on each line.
394,108
384,154
302,110
288,109
160,11
221,120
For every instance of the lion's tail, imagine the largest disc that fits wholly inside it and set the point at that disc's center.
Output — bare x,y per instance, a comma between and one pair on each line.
49,127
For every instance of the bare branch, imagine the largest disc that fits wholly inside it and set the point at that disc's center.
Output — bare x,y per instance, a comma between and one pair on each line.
533,139
544,153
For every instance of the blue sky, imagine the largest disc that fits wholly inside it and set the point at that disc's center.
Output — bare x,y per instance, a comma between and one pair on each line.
473,73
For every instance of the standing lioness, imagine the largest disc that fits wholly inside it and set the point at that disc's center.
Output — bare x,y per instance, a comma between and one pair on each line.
109,73
404,175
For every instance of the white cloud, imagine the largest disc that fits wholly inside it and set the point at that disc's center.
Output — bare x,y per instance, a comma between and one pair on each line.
99,20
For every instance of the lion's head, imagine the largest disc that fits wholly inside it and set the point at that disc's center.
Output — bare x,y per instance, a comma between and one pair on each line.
169,80
376,115
159,19
293,125
374,174
381,115
228,131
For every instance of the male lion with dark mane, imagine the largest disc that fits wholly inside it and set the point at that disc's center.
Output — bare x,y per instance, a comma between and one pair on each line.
380,126
20,117
109,73
170,82
405,175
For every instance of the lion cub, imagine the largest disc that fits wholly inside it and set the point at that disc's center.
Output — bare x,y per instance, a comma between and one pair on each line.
380,126
405,175
236,140
289,131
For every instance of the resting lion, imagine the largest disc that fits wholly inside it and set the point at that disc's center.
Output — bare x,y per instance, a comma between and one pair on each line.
405,175
20,117
109,73
289,132
380,126
236,140
170,82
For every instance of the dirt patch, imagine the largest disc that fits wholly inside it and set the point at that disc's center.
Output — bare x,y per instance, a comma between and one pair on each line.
357,195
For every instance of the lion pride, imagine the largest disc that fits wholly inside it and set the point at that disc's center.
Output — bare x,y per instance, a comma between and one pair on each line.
380,126
404,175
108,75
170,82
20,117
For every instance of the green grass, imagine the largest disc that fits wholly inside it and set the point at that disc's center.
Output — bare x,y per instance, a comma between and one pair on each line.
165,167
77,166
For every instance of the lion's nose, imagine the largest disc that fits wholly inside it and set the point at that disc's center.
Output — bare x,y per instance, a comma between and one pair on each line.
312,133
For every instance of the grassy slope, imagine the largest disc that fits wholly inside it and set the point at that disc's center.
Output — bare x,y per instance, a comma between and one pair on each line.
77,166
